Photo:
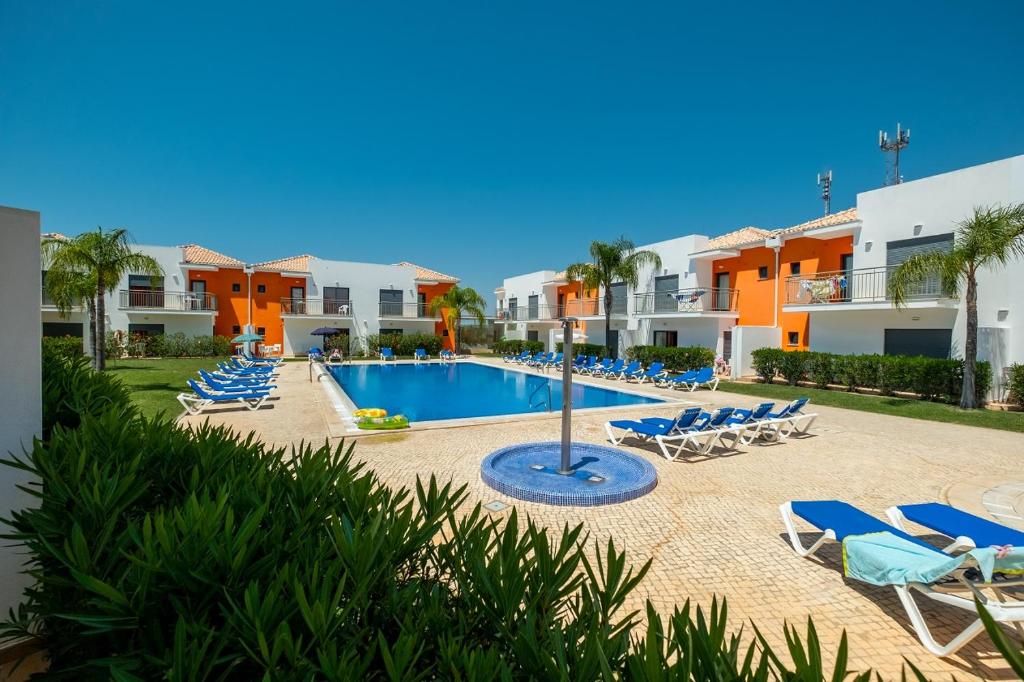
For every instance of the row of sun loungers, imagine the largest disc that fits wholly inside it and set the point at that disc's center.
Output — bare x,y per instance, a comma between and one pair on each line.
990,558
386,354
247,380
696,431
618,369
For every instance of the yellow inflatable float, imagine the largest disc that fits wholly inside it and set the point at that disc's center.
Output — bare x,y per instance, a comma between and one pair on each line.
373,412
398,421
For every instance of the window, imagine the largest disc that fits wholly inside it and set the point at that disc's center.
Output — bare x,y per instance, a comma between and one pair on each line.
262,331
145,329
145,283
762,272
261,288
666,338
794,268
236,330
794,338
533,307
396,332
665,294
532,336
63,329
444,332
513,309
391,302
932,343
336,295
236,287
618,298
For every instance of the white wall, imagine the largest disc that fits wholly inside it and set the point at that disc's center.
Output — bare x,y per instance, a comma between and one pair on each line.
933,206
21,399
745,340
858,332
364,282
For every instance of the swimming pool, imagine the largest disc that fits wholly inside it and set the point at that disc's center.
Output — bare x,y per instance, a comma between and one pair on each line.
431,391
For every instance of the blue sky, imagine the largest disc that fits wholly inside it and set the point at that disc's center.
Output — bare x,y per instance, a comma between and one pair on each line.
484,139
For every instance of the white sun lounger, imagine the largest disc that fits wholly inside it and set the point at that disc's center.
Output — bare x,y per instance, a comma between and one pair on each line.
837,520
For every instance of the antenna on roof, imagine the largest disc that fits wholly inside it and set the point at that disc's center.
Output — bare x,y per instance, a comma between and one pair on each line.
825,182
901,141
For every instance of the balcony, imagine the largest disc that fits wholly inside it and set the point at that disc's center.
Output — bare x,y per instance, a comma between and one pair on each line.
316,307
407,311
168,301
863,289
528,313
687,302
592,307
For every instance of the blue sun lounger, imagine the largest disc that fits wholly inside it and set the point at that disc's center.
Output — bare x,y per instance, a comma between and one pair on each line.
222,384
632,368
654,372
966,530
683,380
708,428
610,370
587,365
646,429
894,557
386,354
194,403
420,354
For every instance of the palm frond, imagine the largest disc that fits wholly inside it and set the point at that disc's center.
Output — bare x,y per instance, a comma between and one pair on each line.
947,266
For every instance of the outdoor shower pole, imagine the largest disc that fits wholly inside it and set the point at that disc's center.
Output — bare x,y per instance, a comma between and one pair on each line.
567,326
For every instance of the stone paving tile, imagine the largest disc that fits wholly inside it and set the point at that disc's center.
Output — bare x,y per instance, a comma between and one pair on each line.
712,525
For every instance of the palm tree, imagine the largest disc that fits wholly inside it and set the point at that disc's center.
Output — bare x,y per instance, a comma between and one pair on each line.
97,260
991,237
614,262
70,289
456,302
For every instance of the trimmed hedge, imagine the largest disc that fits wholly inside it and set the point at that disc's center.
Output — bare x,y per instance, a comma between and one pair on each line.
597,349
516,346
404,344
676,359
63,346
931,378
1016,387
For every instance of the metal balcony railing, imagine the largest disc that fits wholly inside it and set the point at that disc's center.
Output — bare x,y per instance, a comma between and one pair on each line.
592,307
692,300
863,285
167,300
408,310
317,307
525,313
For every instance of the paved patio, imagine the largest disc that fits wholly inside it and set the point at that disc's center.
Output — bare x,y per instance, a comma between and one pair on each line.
712,524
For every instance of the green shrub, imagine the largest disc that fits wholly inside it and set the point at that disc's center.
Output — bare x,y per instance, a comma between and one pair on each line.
516,346
767,362
792,366
1016,384
72,390
404,344
675,359
179,345
818,367
63,346
597,349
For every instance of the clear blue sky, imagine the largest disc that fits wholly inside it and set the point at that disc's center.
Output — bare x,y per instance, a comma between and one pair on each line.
483,140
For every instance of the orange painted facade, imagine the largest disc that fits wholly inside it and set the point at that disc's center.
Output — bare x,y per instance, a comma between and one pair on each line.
756,301
232,313
567,293
427,293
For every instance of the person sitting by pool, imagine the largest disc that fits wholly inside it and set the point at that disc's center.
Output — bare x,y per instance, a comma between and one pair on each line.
336,356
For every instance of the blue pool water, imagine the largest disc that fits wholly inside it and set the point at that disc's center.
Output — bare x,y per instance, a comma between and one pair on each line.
430,391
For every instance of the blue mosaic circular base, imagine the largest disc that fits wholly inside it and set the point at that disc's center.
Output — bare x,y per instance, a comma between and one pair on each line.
601,475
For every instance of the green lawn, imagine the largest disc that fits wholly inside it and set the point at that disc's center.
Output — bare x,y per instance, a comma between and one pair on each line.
901,407
156,383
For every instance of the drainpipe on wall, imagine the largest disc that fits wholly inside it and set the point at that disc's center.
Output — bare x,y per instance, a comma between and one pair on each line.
248,295
775,243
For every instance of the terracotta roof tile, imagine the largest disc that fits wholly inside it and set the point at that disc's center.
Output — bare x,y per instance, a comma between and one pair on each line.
200,255
428,274
293,264
838,218
744,235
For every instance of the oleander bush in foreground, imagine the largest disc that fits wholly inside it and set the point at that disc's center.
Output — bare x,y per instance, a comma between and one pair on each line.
931,378
163,553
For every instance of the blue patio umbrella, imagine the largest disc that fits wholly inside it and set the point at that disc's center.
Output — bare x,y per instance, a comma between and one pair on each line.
246,338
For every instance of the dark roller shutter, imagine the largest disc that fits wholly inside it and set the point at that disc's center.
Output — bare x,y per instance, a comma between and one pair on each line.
664,293
933,343
899,251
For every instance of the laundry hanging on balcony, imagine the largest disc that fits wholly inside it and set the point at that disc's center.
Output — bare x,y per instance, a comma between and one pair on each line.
824,289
